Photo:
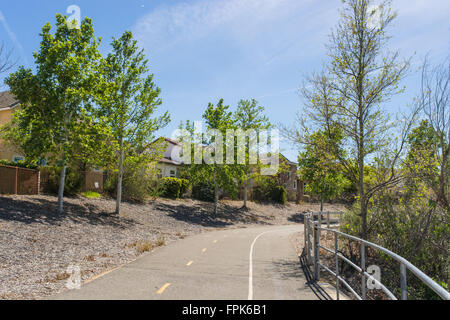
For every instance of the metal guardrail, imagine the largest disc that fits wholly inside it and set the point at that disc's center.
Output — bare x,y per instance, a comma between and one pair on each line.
313,229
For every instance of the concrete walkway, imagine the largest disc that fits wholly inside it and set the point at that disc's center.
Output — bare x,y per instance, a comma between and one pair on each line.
253,263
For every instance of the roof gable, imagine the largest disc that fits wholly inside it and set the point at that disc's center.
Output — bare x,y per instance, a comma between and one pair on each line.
7,101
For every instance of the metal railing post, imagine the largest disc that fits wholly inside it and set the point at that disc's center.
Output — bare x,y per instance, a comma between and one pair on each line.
320,220
309,241
328,219
403,285
363,268
307,245
316,253
337,264
313,228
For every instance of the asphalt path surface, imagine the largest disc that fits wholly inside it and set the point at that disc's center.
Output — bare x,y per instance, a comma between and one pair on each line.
257,263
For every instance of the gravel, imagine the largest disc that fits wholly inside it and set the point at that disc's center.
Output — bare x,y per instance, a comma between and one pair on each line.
37,245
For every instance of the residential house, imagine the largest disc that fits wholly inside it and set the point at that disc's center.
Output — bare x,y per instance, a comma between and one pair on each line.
287,177
8,104
92,179
171,162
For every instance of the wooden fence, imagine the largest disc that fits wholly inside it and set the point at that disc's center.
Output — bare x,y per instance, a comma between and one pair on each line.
15,180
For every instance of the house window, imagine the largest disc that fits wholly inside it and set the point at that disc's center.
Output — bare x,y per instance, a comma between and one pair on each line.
172,173
295,184
18,158
42,162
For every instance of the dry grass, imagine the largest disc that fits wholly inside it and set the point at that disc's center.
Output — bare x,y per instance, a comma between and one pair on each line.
142,246
90,258
62,276
9,296
180,235
160,242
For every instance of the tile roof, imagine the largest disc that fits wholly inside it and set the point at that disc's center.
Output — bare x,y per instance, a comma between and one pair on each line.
170,161
7,100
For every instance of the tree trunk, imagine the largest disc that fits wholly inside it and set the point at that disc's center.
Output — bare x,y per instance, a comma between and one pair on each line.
62,180
321,205
216,196
364,219
119,180
245,193
361,188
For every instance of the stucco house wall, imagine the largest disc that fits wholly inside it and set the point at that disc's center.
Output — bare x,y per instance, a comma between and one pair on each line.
7,107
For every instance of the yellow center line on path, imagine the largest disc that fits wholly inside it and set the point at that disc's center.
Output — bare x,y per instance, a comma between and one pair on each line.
204,250
189,263
164,287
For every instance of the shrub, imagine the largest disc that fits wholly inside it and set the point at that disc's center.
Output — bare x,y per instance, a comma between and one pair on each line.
184,186
263,188
73,182
138,183
279,195
20,164
172,188
203,191
110,185
267,189
90,195
413,228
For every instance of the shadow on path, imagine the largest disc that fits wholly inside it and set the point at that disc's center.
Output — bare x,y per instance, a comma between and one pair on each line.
310,282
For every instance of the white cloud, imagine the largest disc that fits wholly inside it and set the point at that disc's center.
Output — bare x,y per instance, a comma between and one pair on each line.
243,19
13,38
268,33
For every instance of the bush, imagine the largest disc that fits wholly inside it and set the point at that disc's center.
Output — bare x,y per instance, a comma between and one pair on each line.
263,188
172,188
20,164
90,195
137,185
184,186
203,191
73,182
413,228
279,195
267,189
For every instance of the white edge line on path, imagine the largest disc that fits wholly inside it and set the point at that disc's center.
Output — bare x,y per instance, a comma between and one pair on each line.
250,270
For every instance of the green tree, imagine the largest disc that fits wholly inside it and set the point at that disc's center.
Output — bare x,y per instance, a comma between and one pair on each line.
430,142
319,167
56,117
213,166
129,101
360,77
249,117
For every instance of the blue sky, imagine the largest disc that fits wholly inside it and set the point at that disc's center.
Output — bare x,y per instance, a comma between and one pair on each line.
203,50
